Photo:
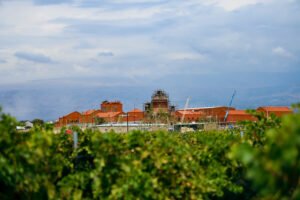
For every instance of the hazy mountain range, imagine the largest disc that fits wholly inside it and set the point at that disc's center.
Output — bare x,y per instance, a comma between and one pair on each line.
49,99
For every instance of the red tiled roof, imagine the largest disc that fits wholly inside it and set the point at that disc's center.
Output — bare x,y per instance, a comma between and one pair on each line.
208,108
135,111
237,112
88,112
72,113
108,114
276,108
111,102
188,112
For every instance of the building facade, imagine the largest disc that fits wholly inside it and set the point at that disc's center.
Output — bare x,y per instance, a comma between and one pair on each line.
205,113
276,110
111,106
159,110
71,118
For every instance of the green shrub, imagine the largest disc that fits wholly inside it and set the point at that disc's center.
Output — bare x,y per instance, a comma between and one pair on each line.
274,166
151,165
30,164
142,165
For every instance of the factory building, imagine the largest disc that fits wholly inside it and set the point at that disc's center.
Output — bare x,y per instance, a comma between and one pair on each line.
235,116
109,112
159,110
238,115
135,115
276,110
109,117
188,116
88,116
71,118
111,106
203,113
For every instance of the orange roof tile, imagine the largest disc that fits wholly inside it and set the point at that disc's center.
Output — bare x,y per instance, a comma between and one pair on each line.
72,113
208,108
135,110
111,102
188,112
87,112
276,108
237,112
108,114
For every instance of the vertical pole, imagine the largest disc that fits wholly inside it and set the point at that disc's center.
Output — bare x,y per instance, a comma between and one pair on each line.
75,139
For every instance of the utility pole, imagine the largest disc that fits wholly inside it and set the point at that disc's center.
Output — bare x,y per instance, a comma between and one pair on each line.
75,139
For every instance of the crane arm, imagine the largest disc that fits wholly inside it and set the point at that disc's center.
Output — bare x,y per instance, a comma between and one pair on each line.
230,103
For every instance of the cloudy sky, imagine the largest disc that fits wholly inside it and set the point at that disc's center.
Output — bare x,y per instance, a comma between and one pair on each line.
57,56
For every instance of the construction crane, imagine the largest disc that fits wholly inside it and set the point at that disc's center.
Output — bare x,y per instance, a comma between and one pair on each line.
226,115
185,107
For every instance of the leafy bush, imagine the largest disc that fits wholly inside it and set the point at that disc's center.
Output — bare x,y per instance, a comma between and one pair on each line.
138,165
273,166
29,163
254,131
151,165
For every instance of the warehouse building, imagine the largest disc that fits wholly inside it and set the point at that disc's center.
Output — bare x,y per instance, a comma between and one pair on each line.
159,110
216,113
276,110
237,116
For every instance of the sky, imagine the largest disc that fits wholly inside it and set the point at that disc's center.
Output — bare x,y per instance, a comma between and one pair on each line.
57,56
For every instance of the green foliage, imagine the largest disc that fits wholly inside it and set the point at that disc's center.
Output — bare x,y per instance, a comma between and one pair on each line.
99,120
21,123
29,163
151,165
38,122
273,166
139,165
48,126
254,131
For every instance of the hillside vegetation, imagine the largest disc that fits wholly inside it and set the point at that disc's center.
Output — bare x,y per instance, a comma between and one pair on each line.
260,160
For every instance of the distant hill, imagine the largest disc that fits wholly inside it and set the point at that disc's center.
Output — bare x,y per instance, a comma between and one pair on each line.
49,99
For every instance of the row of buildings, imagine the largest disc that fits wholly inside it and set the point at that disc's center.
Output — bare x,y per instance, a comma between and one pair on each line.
159,110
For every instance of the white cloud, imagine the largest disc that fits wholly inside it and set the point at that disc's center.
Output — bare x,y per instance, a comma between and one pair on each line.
81,69
138,42
280,51
143,38
186,56
231,5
